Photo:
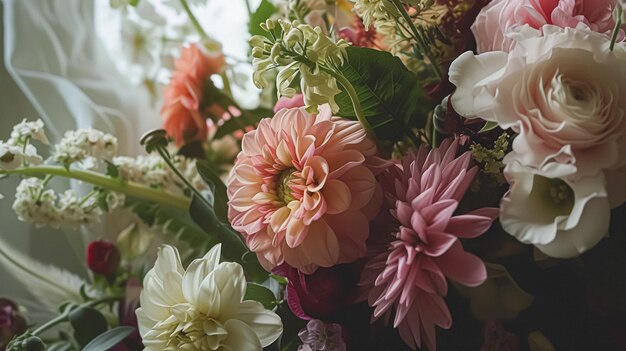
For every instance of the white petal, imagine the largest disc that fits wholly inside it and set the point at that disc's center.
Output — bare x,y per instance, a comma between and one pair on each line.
471,73
192,280
231,284
266,324
168,259
213,256
241,337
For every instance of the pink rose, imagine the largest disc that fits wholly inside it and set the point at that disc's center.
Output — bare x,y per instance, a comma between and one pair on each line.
501,16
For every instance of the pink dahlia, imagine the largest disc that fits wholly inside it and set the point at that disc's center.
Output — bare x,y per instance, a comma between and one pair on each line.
408,277
302,190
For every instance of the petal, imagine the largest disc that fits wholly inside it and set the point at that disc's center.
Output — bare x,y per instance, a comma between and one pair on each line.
231,285
337,195
472,224
321,245
241,337
462,267
267,325
168,259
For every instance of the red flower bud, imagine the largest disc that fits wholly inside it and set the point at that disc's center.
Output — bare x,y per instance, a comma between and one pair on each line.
103,258
11,322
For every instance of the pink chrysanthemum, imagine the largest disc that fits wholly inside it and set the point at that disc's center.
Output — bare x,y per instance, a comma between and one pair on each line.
302,190
409,276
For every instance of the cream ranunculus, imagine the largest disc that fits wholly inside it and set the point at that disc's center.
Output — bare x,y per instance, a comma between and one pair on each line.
561,92
546,208
201,308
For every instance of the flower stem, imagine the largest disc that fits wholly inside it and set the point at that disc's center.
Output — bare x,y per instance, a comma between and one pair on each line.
194,20
131,189
356,104
617,27
166,158
418,38
63,317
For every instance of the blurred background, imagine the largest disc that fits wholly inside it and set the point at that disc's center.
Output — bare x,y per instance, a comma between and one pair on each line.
77,64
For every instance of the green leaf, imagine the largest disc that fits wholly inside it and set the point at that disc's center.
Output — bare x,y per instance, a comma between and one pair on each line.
392,98
262,13
175,223
110,338
261,294
248,118
88,323
218,188
488,127
112,170
204,215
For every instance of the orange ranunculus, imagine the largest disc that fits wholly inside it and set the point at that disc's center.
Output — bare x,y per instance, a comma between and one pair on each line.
181,112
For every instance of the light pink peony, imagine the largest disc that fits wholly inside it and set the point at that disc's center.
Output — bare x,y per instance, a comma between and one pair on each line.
181,112
501,16
408,278
302,190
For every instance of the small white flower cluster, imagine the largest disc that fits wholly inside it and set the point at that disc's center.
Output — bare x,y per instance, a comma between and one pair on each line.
25,131
152,171
311,11
388,21
17,151
301,51
85,147
375,11
40,206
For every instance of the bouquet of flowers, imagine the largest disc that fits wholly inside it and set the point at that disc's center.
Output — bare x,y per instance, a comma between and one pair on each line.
419,174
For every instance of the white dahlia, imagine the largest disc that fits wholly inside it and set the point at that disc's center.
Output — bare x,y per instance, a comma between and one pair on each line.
201,308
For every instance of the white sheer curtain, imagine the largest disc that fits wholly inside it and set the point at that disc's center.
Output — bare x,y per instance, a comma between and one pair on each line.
66,78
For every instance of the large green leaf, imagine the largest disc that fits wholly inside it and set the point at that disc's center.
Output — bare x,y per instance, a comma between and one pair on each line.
218,188
261,294
391,96
262,13
176,223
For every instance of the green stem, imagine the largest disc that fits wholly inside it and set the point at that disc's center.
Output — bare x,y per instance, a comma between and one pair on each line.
63,317
226,81
165,156
249,8
87,197
131,189
194,20
418,38
617,27
356,104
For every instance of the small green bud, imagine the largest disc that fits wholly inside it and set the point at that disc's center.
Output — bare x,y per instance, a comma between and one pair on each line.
33,343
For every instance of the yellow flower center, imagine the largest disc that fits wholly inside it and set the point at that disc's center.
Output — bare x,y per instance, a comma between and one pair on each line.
282,187
557,197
